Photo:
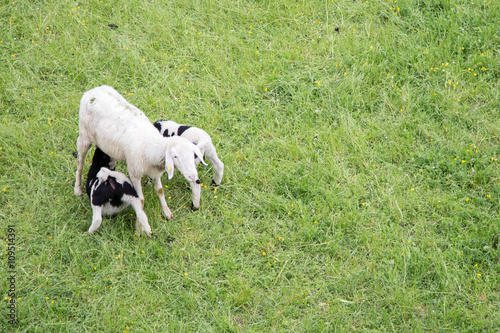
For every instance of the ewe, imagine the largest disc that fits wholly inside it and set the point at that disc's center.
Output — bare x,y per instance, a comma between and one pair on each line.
124,133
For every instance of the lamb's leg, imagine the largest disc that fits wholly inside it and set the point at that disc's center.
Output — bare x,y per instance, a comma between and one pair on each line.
96,218
161,195
83,146
141,224
211,155
195,194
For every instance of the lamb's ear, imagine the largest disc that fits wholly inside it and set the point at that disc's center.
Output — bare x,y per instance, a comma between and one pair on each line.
198,154
169,165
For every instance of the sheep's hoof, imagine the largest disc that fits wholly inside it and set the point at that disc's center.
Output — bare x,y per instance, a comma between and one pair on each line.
169,216
193,208
213,183
140,230
78,191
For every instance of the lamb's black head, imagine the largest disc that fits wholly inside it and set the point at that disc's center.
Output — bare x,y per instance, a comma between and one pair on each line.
158,125
101,159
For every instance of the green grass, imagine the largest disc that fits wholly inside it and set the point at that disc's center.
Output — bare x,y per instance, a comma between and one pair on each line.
361,189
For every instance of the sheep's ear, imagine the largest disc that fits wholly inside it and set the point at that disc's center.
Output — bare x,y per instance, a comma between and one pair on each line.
169,165
198,154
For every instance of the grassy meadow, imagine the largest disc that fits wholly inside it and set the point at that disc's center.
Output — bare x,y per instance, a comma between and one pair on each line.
360,140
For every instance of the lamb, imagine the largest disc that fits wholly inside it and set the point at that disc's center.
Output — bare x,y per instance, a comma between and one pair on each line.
111,192
125,133
199,137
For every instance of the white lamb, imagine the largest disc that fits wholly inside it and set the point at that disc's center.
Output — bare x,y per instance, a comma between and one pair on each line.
199,137
124,132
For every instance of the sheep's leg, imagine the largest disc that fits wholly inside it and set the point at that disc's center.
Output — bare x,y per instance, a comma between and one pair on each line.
112,164
195,194
217,164
96,218
83,146
141,224
161,195
136,182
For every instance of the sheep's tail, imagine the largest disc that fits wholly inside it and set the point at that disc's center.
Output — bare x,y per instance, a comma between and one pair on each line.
104,174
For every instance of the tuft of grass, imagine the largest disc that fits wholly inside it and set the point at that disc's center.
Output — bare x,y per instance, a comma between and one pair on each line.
361,188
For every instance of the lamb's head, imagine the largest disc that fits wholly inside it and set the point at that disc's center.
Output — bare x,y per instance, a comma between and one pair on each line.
167,128
101,159
181,154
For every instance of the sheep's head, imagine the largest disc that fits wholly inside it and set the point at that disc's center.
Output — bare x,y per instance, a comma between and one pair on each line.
181,154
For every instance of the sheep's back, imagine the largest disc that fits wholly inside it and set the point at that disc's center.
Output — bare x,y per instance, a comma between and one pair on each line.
112,123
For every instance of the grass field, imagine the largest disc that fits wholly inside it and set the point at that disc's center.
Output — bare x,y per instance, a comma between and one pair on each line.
360,140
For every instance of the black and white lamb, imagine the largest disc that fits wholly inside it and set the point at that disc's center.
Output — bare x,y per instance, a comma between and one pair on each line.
199,137
125,133
111,192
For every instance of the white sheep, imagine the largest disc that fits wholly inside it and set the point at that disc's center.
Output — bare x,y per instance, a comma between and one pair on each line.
199,137
111,192
124,133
